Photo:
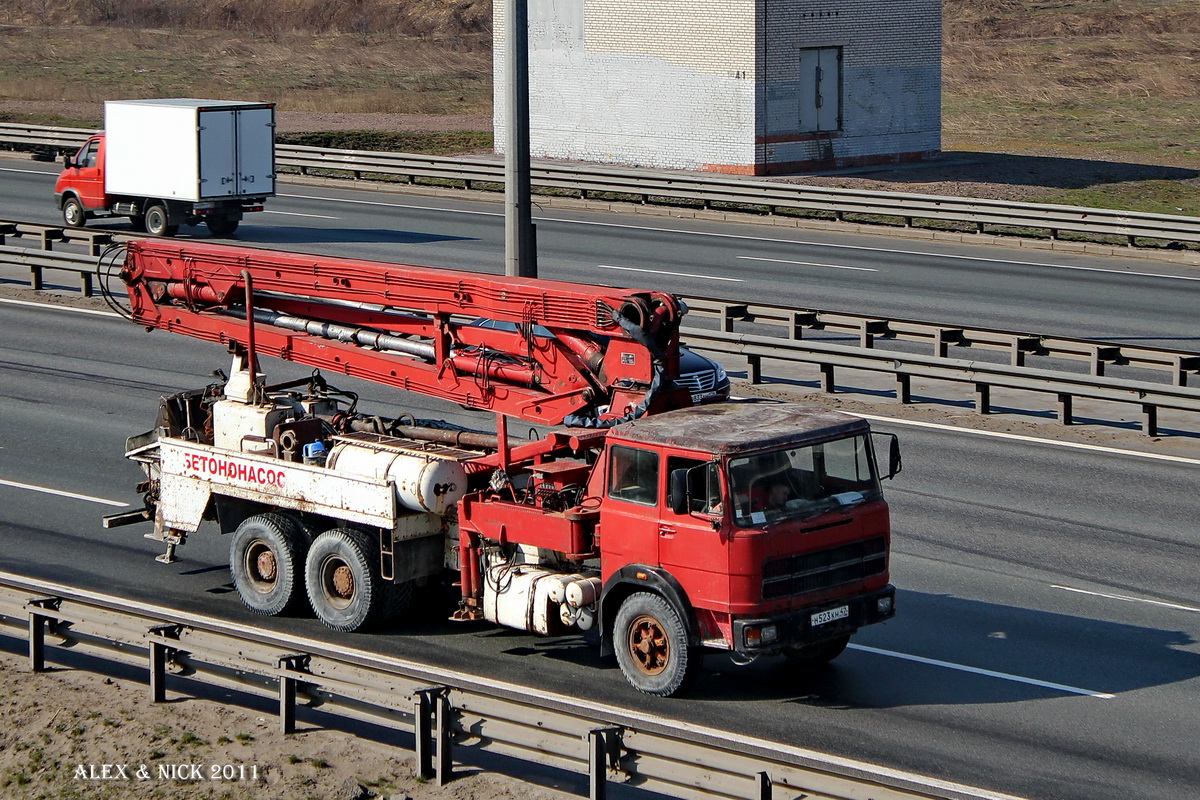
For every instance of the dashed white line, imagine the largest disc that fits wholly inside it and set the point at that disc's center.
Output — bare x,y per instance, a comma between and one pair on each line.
59,493
673,274
1095,448
1059,687
297,214
1127,598
806,263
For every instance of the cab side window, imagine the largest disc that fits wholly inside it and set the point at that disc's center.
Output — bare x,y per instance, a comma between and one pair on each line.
87,156
633,475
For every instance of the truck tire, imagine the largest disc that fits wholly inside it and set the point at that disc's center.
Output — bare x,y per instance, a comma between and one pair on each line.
651,642
820,653
158,221
266,559
221,226
73,213
342,578
399,598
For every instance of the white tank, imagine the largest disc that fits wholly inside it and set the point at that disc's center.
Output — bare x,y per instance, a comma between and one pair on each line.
424,482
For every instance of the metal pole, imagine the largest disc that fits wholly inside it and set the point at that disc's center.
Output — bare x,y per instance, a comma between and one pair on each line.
520,253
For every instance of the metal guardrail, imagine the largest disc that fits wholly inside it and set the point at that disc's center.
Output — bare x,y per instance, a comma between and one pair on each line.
447,712
676,187
1034,361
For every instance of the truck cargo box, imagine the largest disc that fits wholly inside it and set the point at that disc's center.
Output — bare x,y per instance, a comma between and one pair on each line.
187,149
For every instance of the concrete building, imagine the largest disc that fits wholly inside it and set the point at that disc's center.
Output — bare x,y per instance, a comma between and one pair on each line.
738,86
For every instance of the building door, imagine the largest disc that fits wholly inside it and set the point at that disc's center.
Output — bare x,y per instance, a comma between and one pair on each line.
820,89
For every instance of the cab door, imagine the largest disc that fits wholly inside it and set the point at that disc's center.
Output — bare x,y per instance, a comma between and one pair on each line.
86,175
691,545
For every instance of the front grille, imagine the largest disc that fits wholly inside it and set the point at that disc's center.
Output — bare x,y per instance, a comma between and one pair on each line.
810,572
704,380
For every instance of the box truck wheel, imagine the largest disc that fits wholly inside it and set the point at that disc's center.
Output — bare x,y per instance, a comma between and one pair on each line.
342,577
158,222
73,213
221,226
652,646
266,559
819,653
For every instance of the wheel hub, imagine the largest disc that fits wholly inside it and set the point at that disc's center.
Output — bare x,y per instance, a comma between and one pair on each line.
649,645
267,566
343,581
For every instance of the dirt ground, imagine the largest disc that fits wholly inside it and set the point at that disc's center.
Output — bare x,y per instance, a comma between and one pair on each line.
61,727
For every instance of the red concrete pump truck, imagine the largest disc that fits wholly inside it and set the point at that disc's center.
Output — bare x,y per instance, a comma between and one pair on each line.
755,528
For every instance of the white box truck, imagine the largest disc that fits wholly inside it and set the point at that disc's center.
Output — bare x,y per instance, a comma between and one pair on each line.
164,163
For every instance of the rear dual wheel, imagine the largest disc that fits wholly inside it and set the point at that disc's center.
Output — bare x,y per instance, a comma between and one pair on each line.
266,560
158,221
344,585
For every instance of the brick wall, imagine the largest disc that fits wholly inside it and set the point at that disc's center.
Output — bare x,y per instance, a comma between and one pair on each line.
714,84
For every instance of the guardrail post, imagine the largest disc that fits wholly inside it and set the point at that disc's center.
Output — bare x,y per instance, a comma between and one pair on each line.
444,765
903,388
160,654
983,398
85,284
37,643
50,236
943,338
604,750
35,278
1064,409
828,385
287,689
425,702
1150,419
754,369
763,781
37,631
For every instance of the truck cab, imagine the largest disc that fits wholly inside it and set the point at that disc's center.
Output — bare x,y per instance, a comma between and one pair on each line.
762,525
80,186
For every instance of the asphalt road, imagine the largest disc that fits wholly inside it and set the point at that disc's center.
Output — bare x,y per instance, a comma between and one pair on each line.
1046,642
1124,300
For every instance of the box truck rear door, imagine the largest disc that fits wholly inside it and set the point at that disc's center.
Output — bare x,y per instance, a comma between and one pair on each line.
218,159
256,151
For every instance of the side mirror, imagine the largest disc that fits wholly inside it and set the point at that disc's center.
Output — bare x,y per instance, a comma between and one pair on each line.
894,462
67,162
677,491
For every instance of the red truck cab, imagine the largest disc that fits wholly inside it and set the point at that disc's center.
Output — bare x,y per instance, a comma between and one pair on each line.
80,186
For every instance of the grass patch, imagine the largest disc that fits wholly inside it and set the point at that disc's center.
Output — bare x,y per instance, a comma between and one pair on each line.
428,143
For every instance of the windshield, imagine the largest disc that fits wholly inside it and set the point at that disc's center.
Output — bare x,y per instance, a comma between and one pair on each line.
802,481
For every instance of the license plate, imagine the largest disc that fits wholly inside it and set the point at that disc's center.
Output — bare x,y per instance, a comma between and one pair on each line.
821,617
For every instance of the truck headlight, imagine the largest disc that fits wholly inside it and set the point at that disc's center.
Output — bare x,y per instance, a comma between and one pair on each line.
758,636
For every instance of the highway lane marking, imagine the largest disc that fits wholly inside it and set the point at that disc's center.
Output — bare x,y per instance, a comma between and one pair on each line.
53,307
1127,598
25,171
806,263
985,672
673,274
297,214
60,493
1094,448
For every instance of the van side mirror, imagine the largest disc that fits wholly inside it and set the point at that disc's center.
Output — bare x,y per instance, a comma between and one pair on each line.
677,491
894,462
67,161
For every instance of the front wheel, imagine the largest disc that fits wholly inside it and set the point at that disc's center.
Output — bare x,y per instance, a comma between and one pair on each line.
652,646
73,213
158,221
343,582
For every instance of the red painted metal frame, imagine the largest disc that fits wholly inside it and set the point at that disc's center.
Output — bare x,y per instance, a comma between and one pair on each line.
180,287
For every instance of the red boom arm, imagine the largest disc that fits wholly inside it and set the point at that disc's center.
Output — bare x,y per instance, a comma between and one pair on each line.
404,326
